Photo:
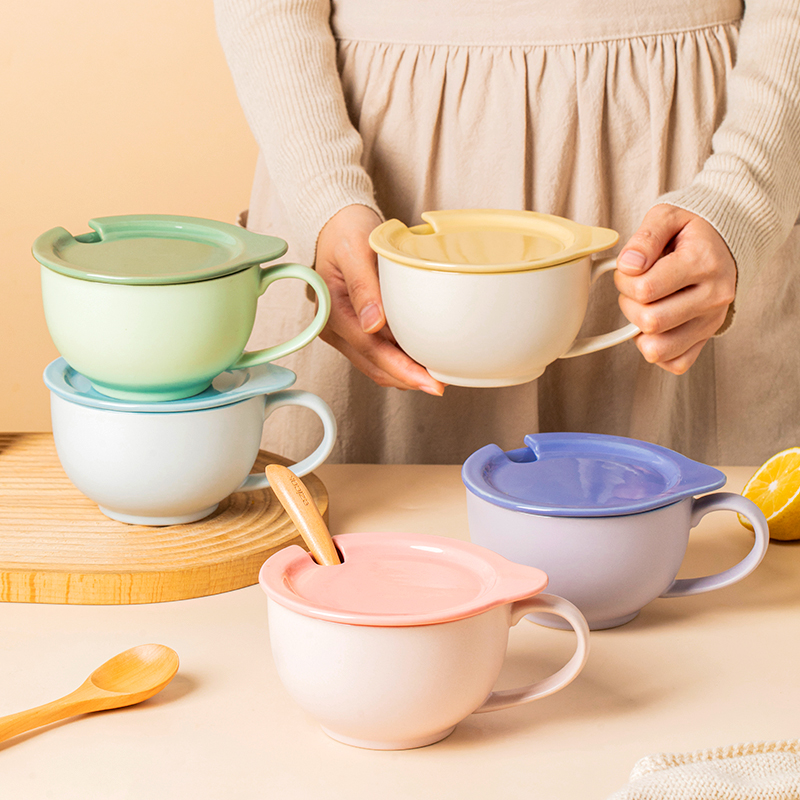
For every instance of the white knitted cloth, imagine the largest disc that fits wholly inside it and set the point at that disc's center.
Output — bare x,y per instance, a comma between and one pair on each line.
754,771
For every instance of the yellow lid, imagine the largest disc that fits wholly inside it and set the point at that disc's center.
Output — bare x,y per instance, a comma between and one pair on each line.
488,240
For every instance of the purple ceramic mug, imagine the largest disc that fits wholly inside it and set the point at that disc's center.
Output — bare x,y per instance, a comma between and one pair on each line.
607,518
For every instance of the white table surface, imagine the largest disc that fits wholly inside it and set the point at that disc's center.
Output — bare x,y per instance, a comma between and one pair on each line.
687,673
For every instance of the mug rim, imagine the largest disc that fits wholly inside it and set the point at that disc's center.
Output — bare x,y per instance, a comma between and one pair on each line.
481,270
574,239
501,581
234,249
506,478
66,382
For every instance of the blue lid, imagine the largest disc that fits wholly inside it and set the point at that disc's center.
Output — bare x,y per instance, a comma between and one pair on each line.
228,387
585,475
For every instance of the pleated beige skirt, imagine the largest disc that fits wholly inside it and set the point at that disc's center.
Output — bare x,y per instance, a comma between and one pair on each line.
585,110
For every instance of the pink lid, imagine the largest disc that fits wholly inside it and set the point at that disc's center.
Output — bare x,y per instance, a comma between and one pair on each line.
397,579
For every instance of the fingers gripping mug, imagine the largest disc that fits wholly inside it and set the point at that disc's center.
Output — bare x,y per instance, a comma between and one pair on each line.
490,298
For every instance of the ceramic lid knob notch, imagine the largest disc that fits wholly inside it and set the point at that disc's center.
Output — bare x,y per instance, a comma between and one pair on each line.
154,249
300,506
489,240
585,475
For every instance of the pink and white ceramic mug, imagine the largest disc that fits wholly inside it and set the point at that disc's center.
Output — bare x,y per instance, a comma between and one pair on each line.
404,639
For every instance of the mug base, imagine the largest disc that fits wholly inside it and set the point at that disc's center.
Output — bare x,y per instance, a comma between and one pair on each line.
485,383
552,621
153,396
135,519
407,744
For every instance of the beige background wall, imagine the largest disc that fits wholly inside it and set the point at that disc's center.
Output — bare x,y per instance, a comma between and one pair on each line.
106,108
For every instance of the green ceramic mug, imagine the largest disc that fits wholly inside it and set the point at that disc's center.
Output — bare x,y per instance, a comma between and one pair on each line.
154,307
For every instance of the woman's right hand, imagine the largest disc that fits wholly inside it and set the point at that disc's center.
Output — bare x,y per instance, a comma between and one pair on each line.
357,324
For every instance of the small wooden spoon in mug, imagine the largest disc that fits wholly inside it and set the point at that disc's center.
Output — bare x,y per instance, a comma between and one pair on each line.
124,680
301,508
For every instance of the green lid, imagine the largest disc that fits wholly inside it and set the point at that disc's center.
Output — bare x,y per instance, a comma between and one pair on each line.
154,249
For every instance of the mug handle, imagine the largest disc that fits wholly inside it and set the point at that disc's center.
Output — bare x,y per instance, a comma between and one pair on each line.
590,344
275,272
550,604
717,502
297,397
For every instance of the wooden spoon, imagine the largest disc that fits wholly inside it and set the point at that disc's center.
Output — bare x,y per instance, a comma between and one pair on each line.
303,511
128,678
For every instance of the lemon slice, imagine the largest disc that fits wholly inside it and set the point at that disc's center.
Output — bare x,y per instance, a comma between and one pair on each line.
775,489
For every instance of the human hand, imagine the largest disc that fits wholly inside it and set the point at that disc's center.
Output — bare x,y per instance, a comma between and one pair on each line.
357,323
676,279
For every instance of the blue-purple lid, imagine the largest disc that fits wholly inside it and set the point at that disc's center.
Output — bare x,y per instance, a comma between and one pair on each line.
585,475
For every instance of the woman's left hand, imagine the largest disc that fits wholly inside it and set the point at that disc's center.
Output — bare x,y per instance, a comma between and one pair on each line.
676,279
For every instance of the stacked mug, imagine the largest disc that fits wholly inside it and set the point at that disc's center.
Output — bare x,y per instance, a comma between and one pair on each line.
157,411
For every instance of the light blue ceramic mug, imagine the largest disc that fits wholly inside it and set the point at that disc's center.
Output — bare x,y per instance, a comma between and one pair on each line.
172,462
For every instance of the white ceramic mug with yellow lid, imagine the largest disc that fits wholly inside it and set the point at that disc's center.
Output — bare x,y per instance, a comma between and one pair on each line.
491,297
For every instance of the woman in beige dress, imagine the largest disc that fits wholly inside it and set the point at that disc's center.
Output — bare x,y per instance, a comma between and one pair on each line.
675,122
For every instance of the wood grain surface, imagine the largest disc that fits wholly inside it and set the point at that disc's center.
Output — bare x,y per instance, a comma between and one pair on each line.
57,547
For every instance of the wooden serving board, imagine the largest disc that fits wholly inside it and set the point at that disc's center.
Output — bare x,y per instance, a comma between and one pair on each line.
57,547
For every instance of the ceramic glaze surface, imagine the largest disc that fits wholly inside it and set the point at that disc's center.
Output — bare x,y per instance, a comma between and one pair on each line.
387,671
585,475
155,343
492,329
490,240
398,579
157,468
491,297
404,585
610,566
154,249
387,688
172,467
228,387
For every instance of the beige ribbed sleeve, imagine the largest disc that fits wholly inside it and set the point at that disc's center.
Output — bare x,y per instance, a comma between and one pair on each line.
749,188
282,56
